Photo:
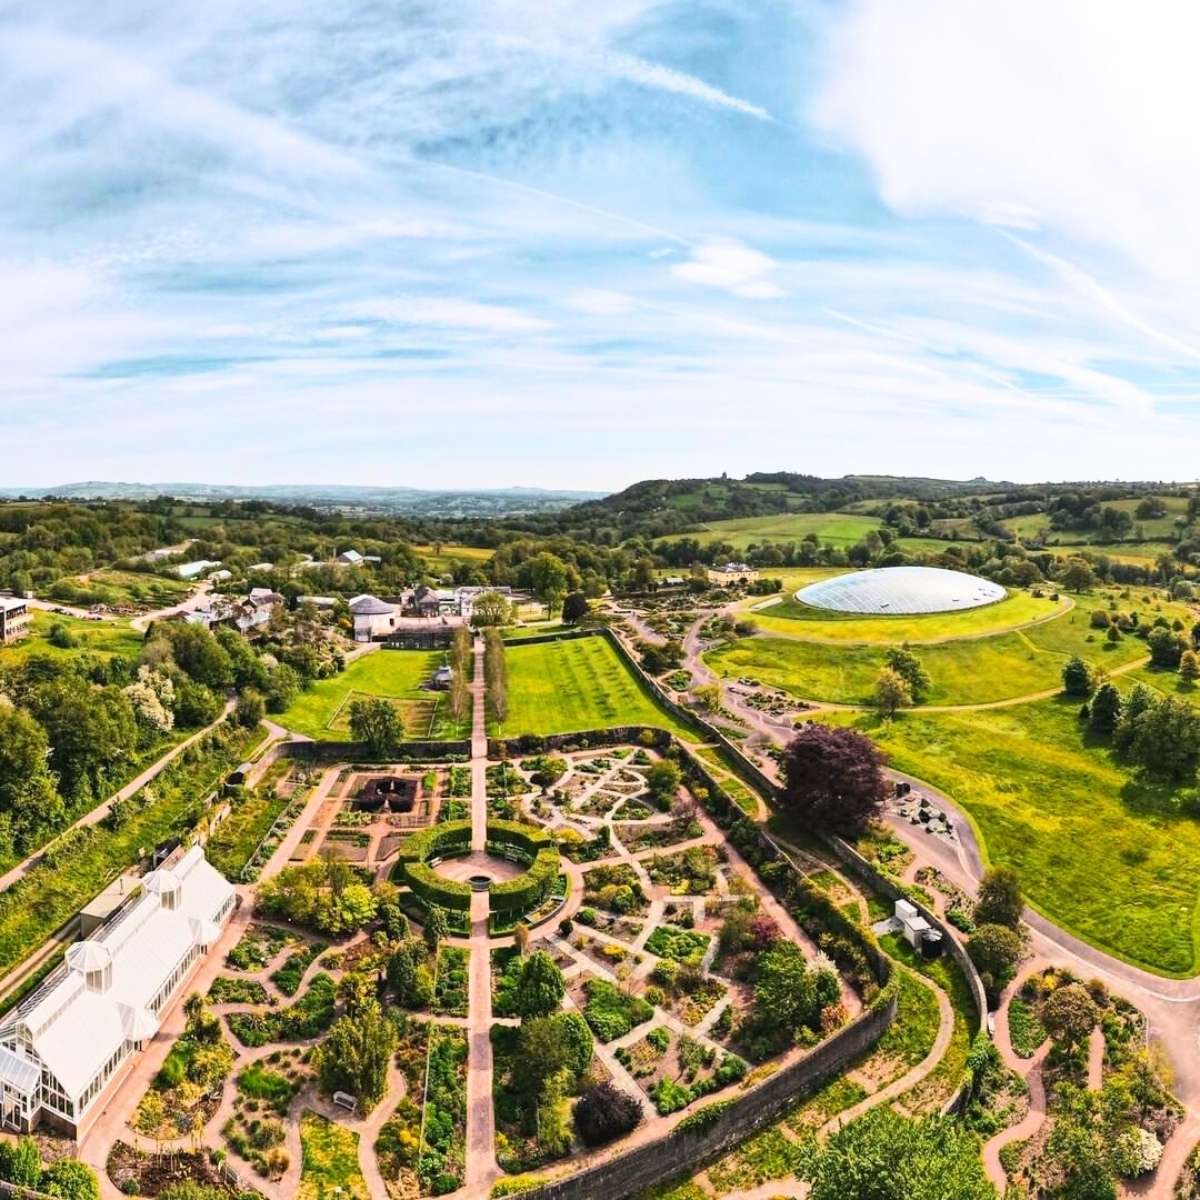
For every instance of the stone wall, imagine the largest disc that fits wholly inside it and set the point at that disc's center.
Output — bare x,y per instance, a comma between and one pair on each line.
617,1174
356,752
861,869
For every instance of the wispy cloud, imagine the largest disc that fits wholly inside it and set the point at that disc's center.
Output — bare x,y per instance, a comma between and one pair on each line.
616,217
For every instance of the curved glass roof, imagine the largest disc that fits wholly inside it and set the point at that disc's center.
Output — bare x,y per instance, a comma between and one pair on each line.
888,590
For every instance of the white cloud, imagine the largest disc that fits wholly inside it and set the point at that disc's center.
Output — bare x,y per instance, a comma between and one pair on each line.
1077,117
599,302
733,266
447,312
667,79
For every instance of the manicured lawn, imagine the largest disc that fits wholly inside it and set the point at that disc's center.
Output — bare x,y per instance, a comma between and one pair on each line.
1089,838
95,637
330,1161
560,687
323,712
792,619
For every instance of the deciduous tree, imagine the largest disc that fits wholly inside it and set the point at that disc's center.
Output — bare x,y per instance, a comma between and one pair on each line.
833,778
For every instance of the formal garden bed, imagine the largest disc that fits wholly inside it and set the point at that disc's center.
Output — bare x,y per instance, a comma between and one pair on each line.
422,1151
265,1090
186,1092
141,1173
307,1018
1106,1135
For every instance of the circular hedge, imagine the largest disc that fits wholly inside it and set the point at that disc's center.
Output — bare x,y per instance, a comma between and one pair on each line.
532,847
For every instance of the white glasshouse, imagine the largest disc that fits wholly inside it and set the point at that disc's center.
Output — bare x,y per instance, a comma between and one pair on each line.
63,1044
889,590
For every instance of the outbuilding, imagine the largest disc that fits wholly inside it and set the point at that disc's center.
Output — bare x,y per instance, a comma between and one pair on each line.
373,618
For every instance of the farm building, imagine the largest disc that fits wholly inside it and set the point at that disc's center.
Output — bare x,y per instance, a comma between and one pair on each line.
63,1046
373,618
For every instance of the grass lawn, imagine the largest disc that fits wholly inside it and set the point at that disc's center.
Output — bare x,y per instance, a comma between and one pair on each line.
965,672
835,529
1089,838
792,619
561,687
94,637
330,1161
935,1089
121,587
323,712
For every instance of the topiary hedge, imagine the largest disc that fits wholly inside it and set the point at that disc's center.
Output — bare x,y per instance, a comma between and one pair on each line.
429,843
528,890
433,888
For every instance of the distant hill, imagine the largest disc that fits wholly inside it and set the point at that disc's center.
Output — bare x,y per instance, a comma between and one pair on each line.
350,498
657,508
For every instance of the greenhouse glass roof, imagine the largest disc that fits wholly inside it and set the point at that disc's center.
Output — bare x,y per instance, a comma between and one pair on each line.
888,590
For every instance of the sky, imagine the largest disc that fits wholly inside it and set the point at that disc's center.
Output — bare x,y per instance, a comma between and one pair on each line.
574,244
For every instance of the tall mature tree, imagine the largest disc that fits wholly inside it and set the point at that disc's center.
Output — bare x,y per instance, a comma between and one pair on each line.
1105,710
354,1056
541,987
604,1113
575,608
892,692
1069,1015
1076,677
834,777
910,668
376,723
1000,901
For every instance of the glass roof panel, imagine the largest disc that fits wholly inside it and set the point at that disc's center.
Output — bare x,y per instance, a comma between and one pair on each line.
889,590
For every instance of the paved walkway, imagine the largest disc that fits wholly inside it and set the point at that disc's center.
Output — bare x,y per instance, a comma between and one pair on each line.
481,1129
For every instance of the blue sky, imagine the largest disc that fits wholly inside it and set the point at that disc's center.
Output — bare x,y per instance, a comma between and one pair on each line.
576,244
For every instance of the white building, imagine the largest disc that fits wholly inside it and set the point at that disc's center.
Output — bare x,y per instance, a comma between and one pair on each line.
913,926
63,1046
350,558
373,618
14,619
193,570
732,572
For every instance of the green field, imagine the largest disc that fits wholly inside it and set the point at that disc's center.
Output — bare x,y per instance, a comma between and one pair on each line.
792,619
967,671
323,712
564,686
96,637
835,529
132,587
1101,852
444,557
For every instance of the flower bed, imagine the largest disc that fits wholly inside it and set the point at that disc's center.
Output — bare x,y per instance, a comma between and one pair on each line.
311,1015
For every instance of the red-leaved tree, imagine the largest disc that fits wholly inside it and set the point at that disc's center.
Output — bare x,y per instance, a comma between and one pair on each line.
833,777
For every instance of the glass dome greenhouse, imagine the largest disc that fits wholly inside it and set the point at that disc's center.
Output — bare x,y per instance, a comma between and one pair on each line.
889,590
